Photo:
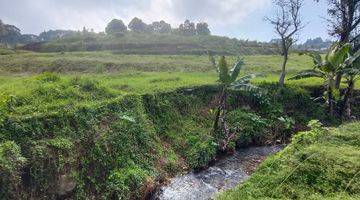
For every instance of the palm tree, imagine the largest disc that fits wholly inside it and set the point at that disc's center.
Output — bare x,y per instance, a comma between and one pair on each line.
228,80
327,69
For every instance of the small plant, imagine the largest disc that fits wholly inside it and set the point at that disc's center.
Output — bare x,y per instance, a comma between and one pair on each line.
48,77
228,80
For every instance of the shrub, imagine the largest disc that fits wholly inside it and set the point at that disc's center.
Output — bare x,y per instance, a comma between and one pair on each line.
47,77
11,166
51,159
200,152
250,128
126,183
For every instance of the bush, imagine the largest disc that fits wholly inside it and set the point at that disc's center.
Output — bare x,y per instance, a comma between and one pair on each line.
126,183
50,160
250,128
47,77
11,166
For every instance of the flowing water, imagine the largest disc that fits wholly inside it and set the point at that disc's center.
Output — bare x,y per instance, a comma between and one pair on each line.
225,174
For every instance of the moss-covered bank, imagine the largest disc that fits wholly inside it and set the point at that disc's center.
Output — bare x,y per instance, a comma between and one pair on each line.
318,164
122,148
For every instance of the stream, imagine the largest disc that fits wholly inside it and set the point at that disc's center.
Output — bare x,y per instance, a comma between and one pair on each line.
225,174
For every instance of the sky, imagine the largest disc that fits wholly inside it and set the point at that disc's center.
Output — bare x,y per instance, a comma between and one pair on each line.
243,19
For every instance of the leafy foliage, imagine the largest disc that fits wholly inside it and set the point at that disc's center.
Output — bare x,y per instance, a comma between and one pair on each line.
116,26
11,164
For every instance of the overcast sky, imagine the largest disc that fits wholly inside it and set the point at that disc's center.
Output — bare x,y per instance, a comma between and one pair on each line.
234,18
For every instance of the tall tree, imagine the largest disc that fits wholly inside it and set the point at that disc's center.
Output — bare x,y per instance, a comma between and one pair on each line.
116,26
187,28
202,29
137,25
287,23
344,19
161,27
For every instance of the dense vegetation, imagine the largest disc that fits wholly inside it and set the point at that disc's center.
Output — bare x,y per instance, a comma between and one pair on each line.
114,115
319,164
123,145
140,43
117,132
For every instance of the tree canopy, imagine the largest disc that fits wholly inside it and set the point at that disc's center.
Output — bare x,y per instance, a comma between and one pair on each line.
137,25
202,28
115,26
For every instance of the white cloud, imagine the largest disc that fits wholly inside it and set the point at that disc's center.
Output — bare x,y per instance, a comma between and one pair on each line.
216,12
35,16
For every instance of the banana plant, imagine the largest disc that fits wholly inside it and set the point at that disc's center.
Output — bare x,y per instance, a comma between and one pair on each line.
351,72
228,80
327,69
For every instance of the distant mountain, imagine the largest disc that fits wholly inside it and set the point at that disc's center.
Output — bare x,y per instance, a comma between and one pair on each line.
315,44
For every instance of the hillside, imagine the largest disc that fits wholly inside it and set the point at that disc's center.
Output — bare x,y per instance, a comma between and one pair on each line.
138,43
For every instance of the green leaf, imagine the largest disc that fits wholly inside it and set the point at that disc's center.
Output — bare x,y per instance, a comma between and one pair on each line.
246,87
353,61
245,79
224,76
308,74
316,57
337,54
236,69
213,62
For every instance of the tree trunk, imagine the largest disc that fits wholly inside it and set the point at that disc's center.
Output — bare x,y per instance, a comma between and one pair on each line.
331,105
330,96
283,70
348,101
346,106
219,110
338,80
344,38
220,123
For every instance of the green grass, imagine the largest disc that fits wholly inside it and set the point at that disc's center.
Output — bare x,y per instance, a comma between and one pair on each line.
318,164
109,62
116,75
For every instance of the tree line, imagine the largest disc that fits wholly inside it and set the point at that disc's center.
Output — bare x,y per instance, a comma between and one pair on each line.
10,34
188,28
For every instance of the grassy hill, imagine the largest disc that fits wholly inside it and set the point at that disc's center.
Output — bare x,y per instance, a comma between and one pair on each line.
168,44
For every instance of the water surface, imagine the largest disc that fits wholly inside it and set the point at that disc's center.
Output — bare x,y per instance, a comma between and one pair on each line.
226,173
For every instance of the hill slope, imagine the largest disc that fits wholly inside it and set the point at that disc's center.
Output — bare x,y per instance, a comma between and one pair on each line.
134,43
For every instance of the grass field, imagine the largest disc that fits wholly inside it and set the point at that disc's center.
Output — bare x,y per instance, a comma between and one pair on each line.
83,77
110,62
